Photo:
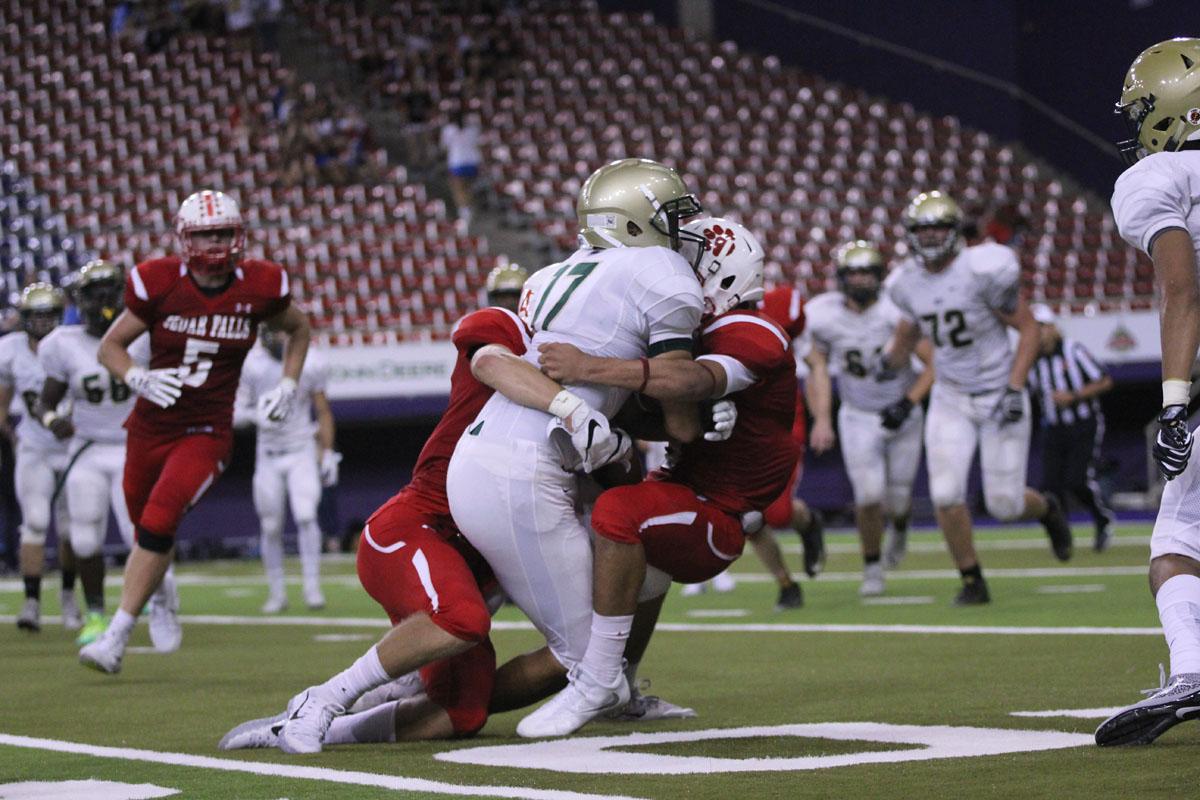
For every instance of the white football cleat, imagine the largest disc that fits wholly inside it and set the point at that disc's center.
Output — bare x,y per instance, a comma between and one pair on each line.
309,716
104,654
72,617
276,603
723,582
692,589
582,701
30,618
872,582
257,733
402,688
166,633
313,598
648,707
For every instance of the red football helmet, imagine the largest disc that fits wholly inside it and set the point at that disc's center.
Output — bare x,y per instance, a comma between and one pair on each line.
207,211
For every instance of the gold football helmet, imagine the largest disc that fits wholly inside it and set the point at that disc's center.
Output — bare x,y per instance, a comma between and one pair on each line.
98,289
41,308
506,278
635,202
933,221
1161,98
859,257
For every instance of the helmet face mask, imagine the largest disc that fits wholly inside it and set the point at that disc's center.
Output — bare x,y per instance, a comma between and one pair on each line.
1160,99
211,234
98,291
41,308
729,263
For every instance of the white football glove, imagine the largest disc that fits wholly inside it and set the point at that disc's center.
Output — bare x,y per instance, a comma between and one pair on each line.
276,404
160,386
724,417
582,435
329,468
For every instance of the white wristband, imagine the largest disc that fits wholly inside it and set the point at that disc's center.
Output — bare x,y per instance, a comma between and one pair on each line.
564,404
287,383
49,418
1176,393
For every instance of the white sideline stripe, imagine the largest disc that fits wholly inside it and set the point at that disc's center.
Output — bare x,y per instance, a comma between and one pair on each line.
980,544
1077,713
394,782
678,627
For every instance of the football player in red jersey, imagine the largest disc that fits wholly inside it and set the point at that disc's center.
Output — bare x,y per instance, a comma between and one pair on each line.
689,520
202,310
415,564
785,306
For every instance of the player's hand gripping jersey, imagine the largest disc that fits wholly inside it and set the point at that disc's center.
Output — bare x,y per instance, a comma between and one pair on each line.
205,336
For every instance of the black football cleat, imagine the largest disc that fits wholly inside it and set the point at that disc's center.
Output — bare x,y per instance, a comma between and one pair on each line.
813,540
790,596
1057,528
1141,723
974,593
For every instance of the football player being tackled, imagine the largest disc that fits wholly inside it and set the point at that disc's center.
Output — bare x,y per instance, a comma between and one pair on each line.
202,309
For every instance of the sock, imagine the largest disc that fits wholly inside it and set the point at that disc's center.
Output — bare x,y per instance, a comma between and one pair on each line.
971,575
1178,603
122,623
606,647
900,524
869,559
68,580
308,540
33,586
94,603
271,547
359,678
376,724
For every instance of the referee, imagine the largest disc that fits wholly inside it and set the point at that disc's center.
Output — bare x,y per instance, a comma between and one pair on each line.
1067,381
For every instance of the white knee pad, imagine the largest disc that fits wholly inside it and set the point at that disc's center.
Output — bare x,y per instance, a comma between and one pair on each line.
656,584
868,486
1004,506
86,538
32,536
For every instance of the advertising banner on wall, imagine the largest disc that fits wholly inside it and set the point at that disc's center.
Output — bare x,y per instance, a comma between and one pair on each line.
1125,337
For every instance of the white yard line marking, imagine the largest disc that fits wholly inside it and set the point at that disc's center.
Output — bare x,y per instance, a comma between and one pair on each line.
1077,713
342,637
1072,588
394,782
716,613
981,543
684,627
901,600
236,592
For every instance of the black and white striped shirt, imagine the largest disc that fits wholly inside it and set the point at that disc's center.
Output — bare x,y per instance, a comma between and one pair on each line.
1067,369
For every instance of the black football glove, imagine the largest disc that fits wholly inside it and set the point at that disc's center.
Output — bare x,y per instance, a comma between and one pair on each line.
1173,445
894,415
1011,407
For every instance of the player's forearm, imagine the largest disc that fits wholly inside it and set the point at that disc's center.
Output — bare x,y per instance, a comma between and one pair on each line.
663,378
681,420
296,349
1026,355
52,394
326,430
924,382
1179,301
114,358
900,347
515,378
819,394
1094,388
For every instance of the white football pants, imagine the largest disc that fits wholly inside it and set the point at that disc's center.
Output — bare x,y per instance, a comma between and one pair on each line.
1177,528
882,464
36,476
281,479
956,424
516,504
94,484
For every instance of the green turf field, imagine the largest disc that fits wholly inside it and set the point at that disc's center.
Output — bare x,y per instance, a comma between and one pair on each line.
773,691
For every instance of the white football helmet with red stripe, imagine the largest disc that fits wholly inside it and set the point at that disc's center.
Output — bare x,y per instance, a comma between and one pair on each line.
731,268
208,210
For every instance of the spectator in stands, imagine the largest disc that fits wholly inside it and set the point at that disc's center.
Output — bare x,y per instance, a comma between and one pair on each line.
1068,383
416,108
460,139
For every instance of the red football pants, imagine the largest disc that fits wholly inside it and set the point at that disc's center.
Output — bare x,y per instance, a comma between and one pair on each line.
165,477
686,537
406,564
779,513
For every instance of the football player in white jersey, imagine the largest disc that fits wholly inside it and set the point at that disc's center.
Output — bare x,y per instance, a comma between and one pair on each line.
40,457
1155,203
95,427
963,299
880,422
293,460
626,293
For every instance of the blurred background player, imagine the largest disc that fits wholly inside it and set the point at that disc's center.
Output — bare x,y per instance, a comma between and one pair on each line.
504,285
1154,203
879,421
785,306
293,460
202,310
963,300
99,405
41,458
1068,382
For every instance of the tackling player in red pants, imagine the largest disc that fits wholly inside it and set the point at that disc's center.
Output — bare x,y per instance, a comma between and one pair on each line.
202,311
688,520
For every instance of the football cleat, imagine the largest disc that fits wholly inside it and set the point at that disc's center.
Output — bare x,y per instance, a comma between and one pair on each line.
813,539
872,583
582,701
30,618
309,716
72,617
974,593
895,545
692,589
166,633
648,708
1057,528
1173,702
276,603
723,582
313,598
104,654
93,628
255,734
790,596
402,688
1104,536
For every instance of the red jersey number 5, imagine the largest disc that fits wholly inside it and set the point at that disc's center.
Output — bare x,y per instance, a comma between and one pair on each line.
196,366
